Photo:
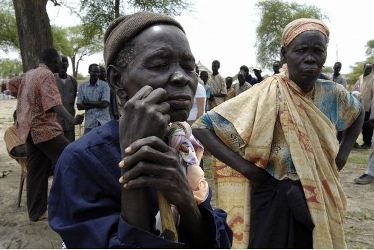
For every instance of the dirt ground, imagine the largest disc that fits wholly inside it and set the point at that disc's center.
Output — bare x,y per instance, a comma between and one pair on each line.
17,232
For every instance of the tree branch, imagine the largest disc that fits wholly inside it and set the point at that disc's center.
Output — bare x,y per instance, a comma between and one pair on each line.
55,2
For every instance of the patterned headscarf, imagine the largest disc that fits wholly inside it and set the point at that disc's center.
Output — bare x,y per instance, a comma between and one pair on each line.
298,26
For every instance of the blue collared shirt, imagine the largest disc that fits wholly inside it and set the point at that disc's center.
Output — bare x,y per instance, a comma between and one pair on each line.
85,200
99,91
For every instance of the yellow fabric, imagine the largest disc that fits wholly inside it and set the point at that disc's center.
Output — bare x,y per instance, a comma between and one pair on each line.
311,139
298,26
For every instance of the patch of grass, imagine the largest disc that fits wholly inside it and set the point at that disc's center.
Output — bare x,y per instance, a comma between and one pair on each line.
359,157
360,215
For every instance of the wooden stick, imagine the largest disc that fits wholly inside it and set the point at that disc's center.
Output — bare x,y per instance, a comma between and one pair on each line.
79,130
167,220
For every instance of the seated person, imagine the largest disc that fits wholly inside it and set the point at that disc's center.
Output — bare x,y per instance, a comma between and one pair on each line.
92,204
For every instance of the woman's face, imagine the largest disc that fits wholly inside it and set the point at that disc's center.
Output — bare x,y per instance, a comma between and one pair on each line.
163,59
305,56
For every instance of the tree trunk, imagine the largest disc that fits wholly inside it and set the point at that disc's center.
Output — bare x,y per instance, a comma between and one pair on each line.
75,70
77,66
34,30
116,8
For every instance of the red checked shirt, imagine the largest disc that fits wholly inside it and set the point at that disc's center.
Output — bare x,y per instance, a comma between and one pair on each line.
37,94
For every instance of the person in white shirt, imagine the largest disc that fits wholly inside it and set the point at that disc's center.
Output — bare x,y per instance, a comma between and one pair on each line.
198,107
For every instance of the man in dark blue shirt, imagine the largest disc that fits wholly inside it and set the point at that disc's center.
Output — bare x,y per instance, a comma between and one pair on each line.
85,200
93,204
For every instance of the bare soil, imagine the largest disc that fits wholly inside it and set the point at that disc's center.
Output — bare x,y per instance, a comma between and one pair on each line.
17,232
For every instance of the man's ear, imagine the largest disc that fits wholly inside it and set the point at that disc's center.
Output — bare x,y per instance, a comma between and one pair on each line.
114,80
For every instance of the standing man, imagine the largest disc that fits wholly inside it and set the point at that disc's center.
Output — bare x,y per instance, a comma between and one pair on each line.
218,85
199,103
67,87
337,77
208,90
113,109
94,97
39,103
242,85
365,85
368,177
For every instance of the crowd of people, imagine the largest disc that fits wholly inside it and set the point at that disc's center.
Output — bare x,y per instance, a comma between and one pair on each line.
150,112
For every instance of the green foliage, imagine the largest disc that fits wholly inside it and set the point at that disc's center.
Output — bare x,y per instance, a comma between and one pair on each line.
9,67
275,15
8,27
97,14
73,43
370,48
61,41
81,77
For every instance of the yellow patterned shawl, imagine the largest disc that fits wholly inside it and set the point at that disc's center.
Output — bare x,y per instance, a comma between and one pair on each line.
311,139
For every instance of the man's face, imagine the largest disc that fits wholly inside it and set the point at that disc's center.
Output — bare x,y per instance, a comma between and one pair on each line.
94,73
368,69
102,75
305,56
276,67
215,67
337,68
64,65
241,77
163,59
55,66
204,76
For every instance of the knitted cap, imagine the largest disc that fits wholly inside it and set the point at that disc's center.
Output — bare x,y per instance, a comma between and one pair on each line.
125,28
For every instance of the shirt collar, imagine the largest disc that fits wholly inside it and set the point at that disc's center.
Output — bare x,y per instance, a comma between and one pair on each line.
93,84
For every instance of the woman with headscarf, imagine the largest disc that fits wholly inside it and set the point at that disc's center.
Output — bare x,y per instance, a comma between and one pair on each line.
282,188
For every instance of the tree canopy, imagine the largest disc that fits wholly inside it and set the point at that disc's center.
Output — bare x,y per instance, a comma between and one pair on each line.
73,43
97,14
8,27
275,15
10,67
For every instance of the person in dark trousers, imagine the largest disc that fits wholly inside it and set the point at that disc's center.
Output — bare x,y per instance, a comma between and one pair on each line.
365,85
113,109
94,98
67,86
39,103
